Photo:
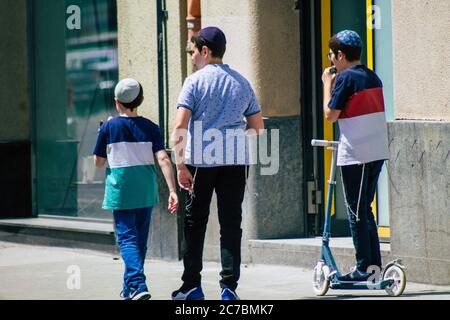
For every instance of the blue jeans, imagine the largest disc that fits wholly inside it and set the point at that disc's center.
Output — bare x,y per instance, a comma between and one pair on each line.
132,228
365,231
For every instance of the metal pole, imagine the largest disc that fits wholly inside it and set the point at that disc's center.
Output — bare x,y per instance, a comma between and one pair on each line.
331,184
160,38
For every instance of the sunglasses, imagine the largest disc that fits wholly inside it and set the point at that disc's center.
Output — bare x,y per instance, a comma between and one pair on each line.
330,54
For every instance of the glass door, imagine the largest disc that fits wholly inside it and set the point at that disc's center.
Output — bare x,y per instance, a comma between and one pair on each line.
75,58
383,66
372,20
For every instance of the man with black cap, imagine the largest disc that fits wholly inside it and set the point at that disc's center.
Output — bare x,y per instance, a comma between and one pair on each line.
214,101
355,97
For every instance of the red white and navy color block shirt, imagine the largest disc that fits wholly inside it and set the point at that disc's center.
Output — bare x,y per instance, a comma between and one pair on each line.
358,92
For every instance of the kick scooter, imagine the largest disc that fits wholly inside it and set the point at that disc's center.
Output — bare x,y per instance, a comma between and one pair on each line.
392,278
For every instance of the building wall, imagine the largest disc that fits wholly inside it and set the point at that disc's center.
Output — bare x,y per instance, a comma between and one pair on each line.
419,175
138,51
15,124
15,108
264,45
419,168
421,42
138,55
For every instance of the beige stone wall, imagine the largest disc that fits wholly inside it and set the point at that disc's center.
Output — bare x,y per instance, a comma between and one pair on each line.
177,37
263,45
421,45
15,106
138,52
138,56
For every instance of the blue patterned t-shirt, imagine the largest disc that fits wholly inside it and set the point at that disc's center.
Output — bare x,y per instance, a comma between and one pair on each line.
219,98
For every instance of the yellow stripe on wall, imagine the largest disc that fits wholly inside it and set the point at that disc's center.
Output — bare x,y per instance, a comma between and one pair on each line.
369,28
370,65
327,127
384,232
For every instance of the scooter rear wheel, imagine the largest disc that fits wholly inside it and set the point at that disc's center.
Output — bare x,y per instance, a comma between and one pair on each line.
321,283
398,275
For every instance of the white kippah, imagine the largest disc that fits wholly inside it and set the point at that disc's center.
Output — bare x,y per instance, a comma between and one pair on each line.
127,90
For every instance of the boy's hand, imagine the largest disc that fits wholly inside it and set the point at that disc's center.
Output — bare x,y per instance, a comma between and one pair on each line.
185,179
327,77
173,202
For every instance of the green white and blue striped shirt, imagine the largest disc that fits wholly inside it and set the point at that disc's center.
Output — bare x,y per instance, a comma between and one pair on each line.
129,145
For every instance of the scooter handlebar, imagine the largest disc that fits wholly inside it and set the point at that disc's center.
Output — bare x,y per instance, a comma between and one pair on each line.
323,143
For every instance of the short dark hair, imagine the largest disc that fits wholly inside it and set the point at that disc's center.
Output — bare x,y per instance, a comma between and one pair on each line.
136,102
216,51
351,53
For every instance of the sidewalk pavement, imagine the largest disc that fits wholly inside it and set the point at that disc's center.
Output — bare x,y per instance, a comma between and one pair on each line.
30,272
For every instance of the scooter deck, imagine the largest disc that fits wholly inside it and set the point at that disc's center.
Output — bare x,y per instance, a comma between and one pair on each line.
362,285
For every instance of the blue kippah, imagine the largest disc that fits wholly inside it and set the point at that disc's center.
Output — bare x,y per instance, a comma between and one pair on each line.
213,35
349,38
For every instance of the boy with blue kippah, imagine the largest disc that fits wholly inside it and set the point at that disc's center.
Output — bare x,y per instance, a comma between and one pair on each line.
354,97
130,143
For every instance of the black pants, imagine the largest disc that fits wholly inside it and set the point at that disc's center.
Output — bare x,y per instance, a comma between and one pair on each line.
229,185
365,231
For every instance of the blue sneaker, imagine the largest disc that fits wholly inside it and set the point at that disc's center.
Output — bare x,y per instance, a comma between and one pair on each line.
195,293
228,294
125,295
140,294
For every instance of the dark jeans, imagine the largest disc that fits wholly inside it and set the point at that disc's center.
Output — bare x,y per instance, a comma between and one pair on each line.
229,185
365,231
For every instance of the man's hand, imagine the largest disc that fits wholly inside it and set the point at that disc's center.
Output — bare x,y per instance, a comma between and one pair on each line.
185,179
328,78
173,202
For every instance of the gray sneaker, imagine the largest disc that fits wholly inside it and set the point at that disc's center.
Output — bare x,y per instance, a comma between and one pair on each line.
354,276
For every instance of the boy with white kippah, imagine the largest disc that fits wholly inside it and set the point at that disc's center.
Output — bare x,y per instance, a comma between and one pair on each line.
130,143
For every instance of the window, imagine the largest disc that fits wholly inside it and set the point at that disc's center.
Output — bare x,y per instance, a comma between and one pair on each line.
75,70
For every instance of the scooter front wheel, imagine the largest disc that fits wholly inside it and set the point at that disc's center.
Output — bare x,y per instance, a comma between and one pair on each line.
321,283
397,274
